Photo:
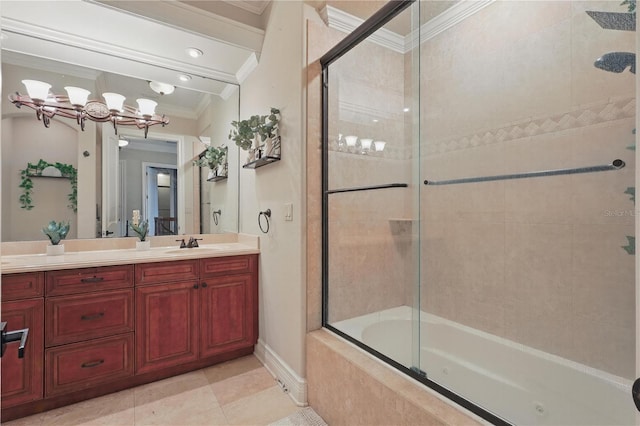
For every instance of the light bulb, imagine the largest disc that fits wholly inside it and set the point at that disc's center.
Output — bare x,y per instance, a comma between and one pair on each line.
123,142
147,107
77,96
114,101
351,140
37,90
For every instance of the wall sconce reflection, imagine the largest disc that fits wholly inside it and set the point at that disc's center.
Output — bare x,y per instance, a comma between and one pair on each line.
363,146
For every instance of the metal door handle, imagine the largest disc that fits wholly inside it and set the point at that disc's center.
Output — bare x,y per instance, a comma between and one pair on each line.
13,336
635,393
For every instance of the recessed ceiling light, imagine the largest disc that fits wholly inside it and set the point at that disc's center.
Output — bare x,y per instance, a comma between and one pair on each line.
194,53
375,120
161,88
406,110
123,142
184,77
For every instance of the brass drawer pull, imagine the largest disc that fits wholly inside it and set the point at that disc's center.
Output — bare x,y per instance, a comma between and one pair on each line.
92,280
92,316
91,364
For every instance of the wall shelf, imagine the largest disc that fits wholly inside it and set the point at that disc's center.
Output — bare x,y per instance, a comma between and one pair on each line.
217,178
45,176
263,161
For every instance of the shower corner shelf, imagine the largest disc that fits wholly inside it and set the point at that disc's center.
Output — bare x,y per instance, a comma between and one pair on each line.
261,162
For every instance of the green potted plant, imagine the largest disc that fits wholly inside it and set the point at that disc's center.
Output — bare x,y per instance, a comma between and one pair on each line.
141,228
56,231
255,130
215,158
268,130
243,132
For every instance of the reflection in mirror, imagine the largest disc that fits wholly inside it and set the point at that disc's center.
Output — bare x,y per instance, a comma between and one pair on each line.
155,175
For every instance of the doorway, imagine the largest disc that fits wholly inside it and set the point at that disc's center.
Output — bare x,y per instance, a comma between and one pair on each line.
160,184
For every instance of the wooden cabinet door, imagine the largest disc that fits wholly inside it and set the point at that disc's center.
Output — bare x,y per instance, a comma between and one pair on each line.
166,327
22,377
228,313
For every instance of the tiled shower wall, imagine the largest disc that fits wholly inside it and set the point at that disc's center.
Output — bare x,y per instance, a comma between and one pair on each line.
538,261
369,242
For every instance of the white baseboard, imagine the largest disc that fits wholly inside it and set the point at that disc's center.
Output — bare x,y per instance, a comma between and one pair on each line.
293,384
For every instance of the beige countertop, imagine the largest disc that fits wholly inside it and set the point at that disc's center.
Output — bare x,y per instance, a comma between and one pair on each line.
16,263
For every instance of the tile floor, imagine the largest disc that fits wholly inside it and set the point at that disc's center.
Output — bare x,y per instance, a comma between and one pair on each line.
238,392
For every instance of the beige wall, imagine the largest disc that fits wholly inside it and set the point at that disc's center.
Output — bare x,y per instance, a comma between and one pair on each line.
278,82
538,261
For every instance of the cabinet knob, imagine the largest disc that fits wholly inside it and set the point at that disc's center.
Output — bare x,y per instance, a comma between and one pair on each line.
195,286
204,285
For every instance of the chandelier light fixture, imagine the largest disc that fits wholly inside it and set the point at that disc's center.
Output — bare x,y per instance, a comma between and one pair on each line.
77,105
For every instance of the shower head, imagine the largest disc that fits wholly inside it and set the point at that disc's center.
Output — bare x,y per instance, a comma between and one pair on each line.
616,62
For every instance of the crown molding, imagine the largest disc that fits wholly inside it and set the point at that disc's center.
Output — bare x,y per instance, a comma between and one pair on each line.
254,7
228,91
75,46
447,19
347,23
246,68
192,19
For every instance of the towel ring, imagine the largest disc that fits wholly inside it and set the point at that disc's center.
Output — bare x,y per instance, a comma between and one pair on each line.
267,215
215,215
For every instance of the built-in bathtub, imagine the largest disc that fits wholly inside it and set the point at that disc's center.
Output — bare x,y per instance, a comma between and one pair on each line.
523,385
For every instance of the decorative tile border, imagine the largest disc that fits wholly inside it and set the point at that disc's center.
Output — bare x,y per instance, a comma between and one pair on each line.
588,115
583,116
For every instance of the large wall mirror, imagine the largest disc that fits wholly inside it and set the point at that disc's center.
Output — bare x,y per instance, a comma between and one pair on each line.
118,171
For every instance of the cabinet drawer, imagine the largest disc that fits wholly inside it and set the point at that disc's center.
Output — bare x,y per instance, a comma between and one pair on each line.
22,286
86,280
87,316
163,272
84,365
217,266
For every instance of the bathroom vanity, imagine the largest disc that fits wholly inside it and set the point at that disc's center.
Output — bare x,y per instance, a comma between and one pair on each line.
130,318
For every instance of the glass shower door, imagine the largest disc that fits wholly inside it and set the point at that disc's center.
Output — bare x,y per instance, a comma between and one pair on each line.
372,196
527,218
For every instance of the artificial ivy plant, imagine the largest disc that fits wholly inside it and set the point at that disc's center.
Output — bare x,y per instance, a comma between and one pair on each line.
35,170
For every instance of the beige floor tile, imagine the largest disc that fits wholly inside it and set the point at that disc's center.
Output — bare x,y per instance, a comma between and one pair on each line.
195,406
261,408
35,420
171,386
112,409
246,384
231,368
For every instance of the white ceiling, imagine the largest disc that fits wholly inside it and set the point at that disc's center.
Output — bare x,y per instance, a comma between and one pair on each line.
127,44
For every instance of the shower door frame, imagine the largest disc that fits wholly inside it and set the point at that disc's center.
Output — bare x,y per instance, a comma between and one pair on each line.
371,25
